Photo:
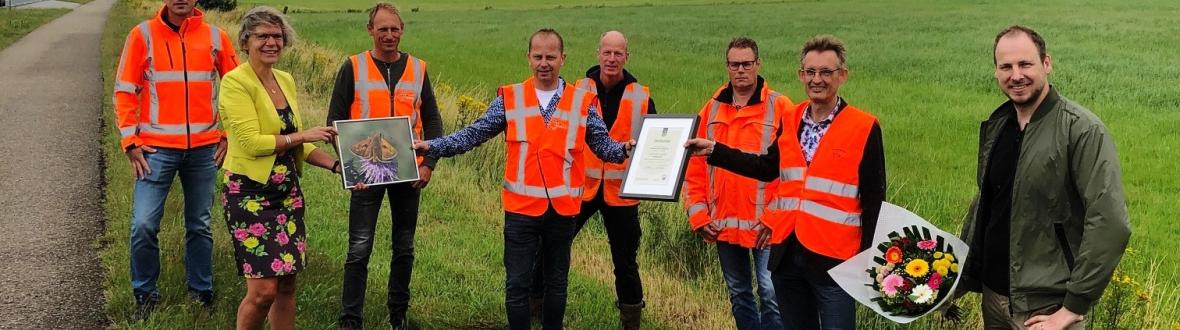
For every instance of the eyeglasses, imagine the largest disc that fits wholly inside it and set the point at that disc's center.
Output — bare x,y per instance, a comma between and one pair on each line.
268,36
822,72
738,65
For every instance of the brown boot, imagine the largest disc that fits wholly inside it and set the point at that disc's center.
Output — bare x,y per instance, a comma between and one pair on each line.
630,315
535,305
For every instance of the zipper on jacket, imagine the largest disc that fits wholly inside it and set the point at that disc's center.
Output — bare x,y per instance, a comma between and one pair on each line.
168,47
188,132
1059,229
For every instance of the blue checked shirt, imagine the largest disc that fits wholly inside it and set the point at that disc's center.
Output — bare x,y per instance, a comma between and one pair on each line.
812,131
494,121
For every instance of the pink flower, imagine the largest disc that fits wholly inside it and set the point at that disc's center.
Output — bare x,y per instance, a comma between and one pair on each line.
234,187
241,234
257,229
281,219
294,191
276,265
935,281
301,245
289,267
891,283
277,178
282,238
927,244
246,268
298,202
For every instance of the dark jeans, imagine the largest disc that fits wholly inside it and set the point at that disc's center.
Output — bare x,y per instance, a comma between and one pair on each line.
623,233
362,220
808,300
526,239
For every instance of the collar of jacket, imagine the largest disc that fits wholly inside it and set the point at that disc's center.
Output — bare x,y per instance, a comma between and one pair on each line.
726,94
1007,109
190,24
594,73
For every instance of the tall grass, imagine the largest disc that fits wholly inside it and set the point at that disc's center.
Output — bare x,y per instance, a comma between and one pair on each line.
921,66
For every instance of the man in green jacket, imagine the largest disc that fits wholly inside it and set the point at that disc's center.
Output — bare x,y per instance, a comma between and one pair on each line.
1050,222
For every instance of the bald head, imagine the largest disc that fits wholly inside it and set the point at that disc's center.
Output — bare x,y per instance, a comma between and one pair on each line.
612,56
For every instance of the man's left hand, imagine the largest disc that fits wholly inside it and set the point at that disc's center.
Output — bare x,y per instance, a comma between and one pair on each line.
762,240
423,177
1060,320
219,156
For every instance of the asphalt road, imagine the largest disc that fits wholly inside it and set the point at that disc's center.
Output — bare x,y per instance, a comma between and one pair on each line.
51,214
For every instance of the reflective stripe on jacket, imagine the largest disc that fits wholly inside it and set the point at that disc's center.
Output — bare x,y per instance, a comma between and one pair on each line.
632,108
372,97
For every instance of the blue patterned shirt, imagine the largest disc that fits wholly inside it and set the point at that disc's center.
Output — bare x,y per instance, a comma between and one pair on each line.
494,121
812,131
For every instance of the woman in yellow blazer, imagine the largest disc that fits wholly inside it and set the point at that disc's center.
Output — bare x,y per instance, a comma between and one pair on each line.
267,146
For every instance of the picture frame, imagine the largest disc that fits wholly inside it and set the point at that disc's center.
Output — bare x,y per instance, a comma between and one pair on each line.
658,163
376,151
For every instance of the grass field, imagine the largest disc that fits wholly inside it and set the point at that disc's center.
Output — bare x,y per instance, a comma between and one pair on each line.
15,23
921,66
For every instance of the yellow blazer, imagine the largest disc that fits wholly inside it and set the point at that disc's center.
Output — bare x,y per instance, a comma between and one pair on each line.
251,122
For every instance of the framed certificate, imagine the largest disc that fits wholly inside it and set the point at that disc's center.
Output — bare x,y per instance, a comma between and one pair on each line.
376,151
656,170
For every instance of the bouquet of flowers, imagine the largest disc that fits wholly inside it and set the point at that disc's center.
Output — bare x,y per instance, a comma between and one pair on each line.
912,271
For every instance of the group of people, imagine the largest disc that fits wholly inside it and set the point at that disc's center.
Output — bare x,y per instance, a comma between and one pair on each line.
786,191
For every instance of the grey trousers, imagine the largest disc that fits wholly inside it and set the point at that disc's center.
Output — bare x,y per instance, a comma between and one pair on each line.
997,317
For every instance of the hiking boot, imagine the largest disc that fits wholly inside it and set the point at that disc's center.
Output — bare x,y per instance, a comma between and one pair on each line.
403,324
351,324
630,315
145,304
202,298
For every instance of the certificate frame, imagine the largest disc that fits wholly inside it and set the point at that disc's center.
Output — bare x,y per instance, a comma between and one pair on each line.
659,189
358,162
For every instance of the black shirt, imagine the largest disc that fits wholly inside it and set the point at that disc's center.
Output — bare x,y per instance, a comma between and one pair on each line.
996,205
340,108
765,168
608,98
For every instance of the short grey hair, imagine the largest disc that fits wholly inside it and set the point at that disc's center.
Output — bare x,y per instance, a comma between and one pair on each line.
264,15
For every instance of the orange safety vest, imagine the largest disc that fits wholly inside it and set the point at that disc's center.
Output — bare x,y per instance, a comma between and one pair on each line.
632,107
820,203
733,202
544,159
372,97
165,86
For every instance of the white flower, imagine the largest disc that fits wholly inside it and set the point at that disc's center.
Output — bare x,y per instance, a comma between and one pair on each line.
922,294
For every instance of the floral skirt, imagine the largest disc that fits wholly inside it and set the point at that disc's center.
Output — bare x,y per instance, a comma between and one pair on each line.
266,221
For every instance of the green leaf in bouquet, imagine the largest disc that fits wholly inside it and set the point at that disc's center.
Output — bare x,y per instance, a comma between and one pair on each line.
884,246
941,243
894,236
925,233
879,260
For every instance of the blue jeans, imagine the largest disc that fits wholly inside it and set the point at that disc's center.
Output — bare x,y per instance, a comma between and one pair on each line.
526,238
814,301
738,272
198,175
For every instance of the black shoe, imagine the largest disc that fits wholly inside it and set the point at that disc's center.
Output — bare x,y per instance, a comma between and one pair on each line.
145,304
404,324
203,298
350,324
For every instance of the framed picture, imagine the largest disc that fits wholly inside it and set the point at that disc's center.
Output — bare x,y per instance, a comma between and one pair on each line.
656,170
376,151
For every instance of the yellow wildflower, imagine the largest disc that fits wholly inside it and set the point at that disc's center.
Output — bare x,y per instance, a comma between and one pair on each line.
917,268
291,227
250,243
253,206
281,169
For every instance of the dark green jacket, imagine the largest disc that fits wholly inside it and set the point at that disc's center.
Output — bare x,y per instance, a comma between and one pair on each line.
1069,222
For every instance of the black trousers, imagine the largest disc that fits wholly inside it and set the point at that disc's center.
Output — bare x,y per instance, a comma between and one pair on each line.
528,241
362,222
623,234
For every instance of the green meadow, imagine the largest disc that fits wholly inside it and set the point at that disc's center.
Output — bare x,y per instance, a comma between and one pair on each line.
921,66
16,23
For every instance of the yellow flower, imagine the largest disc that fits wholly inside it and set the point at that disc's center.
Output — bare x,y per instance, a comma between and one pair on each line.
287,202
937,255
253,206
291,228
942,266
281,169
917,268
955,267
250,243
949,257
288,258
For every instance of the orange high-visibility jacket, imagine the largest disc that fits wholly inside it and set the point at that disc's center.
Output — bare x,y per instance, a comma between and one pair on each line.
609,176
372,97
165,87
820,203
544,160
733,202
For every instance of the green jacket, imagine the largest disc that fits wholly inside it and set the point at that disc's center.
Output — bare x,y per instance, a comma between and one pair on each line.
1069,223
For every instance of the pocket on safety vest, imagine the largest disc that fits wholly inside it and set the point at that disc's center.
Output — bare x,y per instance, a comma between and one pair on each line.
754,137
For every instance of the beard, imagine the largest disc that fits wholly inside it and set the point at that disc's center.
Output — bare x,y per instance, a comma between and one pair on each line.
1032,97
